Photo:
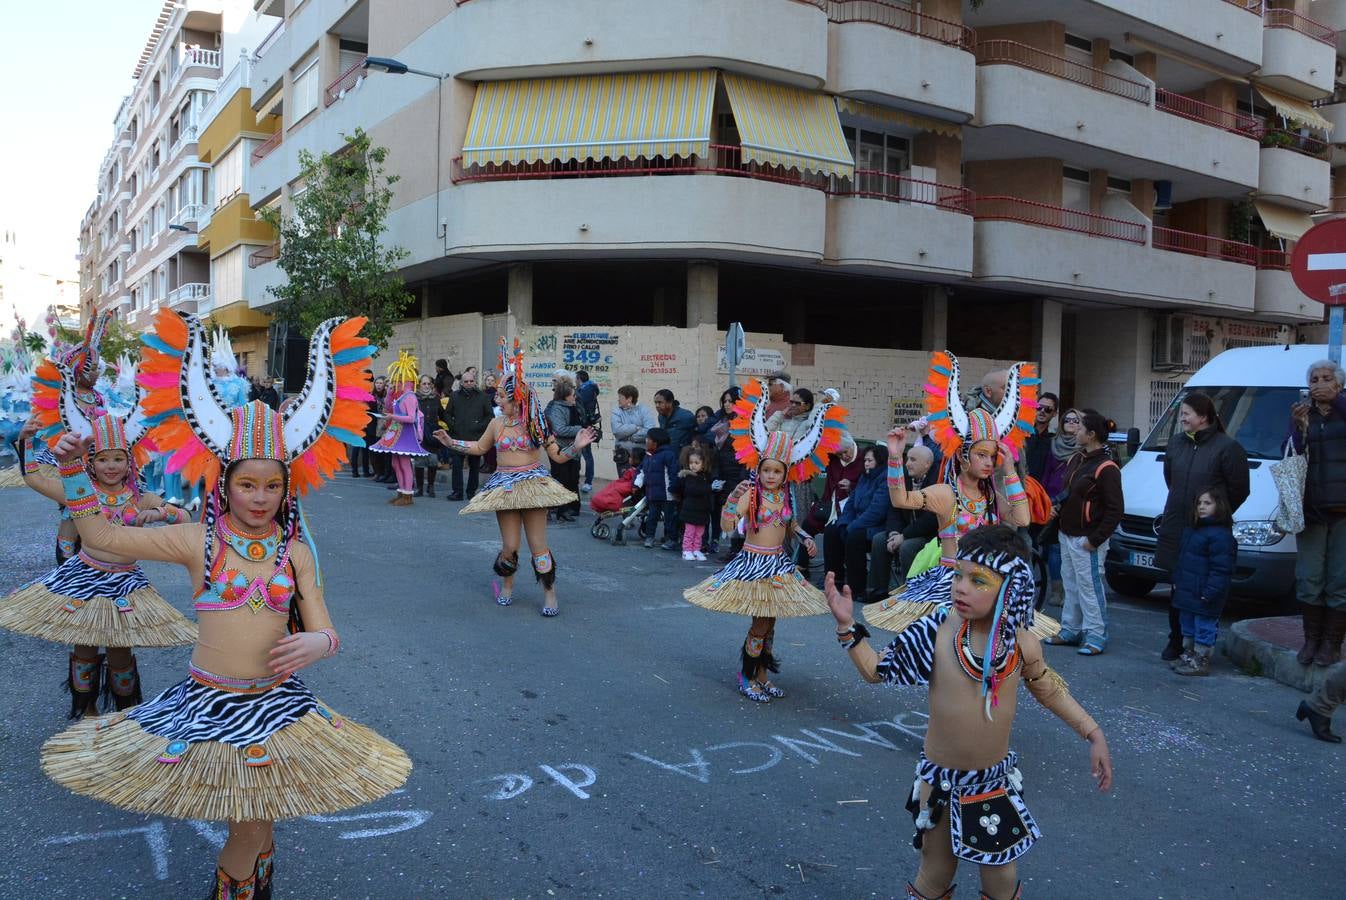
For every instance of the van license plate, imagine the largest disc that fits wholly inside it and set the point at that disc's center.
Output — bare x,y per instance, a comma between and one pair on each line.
1144,560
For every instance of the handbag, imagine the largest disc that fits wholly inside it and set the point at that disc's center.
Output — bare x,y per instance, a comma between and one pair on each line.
1289,474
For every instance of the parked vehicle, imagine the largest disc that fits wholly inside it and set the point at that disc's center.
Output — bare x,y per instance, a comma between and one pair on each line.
1253,389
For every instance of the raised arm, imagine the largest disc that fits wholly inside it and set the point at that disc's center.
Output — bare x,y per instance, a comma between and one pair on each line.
1051,690
479,447
908,659
729,514
564,455
1015,498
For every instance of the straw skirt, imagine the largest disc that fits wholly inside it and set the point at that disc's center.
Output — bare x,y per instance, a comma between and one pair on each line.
200,752
525,487
759,582
88,602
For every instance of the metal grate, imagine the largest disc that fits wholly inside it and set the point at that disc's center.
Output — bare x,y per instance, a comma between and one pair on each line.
1161,397
1200,350
1234,343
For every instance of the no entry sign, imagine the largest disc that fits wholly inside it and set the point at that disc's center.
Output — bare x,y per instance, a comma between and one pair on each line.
1319,261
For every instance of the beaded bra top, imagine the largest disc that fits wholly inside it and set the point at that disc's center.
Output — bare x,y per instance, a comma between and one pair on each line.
967,515
520,443
229,588
119,508
767,518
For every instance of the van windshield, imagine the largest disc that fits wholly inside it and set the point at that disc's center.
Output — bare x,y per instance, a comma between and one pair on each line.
1256,417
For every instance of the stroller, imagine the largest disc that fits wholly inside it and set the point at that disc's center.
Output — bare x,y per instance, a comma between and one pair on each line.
621,501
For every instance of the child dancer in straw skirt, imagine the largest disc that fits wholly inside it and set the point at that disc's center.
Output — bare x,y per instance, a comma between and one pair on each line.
241,738
97,598
521,490
762,580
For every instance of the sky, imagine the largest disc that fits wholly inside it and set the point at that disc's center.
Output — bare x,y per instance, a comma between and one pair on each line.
65,66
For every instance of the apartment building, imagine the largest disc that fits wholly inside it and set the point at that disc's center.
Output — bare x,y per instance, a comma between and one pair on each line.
138,240
1110,187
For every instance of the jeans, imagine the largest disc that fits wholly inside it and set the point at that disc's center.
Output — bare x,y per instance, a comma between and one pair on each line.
456,472
1201,629
587,454
1320,566
1333,692
660,509
1086,603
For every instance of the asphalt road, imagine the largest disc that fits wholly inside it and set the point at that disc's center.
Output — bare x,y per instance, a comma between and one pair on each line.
605,753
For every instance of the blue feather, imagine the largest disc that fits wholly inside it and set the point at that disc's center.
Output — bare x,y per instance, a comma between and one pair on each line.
354,354
149,339
346,437
1030,380
943,414
941,370
50,384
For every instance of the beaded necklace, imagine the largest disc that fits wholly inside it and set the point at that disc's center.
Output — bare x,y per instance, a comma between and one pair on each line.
115,506
769,517
971,663
255,548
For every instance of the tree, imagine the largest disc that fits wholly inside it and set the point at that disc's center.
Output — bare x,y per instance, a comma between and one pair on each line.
329,243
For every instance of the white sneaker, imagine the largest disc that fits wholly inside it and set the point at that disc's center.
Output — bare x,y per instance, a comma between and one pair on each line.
698,556
587,488
688,555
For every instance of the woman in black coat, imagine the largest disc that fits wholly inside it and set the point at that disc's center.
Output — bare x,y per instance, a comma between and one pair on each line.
728,470
1201,457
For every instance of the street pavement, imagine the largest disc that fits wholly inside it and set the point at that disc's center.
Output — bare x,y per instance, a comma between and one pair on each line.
605,753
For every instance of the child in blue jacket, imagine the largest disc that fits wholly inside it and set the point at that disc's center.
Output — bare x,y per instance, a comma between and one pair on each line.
1201,579
659,473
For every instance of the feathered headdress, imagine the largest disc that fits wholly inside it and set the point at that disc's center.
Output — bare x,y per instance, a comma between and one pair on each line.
222,351
82,358
955,428
510,370
403,370
804,457
1013,610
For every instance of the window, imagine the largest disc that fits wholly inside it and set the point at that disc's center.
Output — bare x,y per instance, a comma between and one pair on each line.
1075,192
306,90
877,155
226,276
1079,49
1122,57
1119,186
227,174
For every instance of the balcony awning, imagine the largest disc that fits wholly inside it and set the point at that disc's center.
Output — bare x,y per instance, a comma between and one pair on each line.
1294,108
898,117
1283,222
270,104
591,117
789,127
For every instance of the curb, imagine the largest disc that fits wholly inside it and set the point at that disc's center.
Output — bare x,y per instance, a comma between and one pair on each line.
1248,651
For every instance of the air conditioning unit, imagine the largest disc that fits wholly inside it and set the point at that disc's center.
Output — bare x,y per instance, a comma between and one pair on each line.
1172,344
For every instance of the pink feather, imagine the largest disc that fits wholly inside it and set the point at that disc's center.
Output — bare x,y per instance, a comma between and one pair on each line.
152,380
354,392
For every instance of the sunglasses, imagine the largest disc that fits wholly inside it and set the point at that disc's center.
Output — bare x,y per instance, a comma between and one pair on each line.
1047,410
1074,419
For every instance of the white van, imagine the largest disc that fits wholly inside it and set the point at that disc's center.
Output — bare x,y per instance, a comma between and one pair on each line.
1253,389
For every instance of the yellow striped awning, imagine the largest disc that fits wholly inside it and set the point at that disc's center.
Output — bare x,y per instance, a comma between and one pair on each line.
591,117
1294,108
898,117
787,126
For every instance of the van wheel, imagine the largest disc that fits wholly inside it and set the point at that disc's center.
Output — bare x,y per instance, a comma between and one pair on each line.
1130,585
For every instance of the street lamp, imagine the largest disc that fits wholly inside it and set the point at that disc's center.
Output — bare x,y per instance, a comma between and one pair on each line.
397,67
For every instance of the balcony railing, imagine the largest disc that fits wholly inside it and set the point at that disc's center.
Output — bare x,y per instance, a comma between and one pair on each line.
902,18
1277,260
1013,53
1299,143
1288,18
185,137
1205,113
269,253
1252,6
347,81
261,150
1202,245
269,41
196,56
903,189
191,291
190,214
1044,215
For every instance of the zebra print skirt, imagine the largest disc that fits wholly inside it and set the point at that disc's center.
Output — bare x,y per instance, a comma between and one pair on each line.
227,749
988,821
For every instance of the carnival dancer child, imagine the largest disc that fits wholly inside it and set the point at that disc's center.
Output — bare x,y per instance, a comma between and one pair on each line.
521,490
1201,579
242,739
402,440
972,653
762,581
974,444
694,504
99,598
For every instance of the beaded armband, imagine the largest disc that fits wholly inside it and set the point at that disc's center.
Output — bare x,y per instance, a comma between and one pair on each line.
333,642
896,473
460,445
80,498
569,451
172,515
25,451
1014,489
851,637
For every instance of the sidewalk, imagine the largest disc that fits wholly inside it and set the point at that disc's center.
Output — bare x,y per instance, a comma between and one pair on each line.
1268,647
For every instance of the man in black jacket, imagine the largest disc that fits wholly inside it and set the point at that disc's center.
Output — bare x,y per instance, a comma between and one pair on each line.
906,531
469,413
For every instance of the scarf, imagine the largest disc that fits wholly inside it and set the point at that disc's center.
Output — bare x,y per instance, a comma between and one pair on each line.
1064,445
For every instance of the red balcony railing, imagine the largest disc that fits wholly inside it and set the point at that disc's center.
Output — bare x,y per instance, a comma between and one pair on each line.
1278,260
902,18
1234,122
1202,245
1252,6
901,189
1044,215
1288,18
264,255
347,80
261,150
1299,143
1013,53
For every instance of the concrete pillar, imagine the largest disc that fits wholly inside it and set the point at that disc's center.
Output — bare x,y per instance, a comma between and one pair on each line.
1102,52
796,321
425,300
1098,188
934,317
1142,196
1047,342
1146,64
520,298
703,294
939,152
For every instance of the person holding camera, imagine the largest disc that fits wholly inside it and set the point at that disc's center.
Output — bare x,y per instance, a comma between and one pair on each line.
586,398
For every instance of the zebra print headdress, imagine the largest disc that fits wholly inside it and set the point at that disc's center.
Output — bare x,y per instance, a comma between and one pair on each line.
1013,610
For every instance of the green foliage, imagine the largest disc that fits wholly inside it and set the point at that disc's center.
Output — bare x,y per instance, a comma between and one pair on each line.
36,343
329,243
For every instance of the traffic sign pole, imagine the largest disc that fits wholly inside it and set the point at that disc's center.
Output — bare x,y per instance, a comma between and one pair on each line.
1334,323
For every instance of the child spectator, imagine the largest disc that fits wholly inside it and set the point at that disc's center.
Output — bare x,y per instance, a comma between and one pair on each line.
660,471
1201,579
694,508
